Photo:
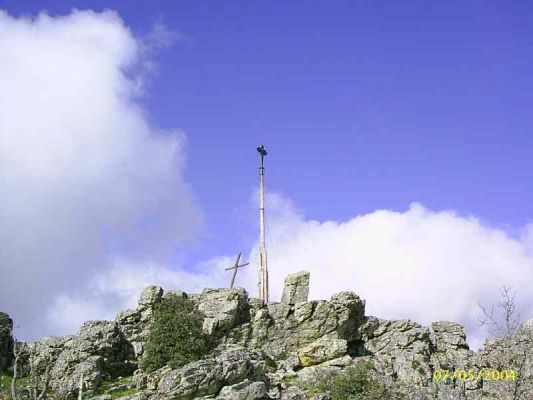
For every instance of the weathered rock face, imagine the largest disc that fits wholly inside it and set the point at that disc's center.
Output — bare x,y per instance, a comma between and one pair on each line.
263,349
98,352
448,336
407,353
322,350
223,309
233,371
135,324
510,353
244,390
6,341
450,349
283,331
296,289
401,349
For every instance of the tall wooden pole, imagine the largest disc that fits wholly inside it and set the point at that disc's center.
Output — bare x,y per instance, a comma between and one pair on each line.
263,268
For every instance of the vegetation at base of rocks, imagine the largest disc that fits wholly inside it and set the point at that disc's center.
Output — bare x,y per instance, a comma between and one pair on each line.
176,337
354,383
23,388
5,387
118,388
290,378
121,393
5,382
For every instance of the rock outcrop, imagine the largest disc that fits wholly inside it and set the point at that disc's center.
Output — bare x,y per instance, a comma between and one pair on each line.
267,351
135,324
283,331
101,351
98,352
296,289
233,370
222,309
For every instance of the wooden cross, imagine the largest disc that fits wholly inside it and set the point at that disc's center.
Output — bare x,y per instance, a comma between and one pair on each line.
235,268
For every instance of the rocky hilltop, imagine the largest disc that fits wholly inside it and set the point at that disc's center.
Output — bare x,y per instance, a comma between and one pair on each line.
270,351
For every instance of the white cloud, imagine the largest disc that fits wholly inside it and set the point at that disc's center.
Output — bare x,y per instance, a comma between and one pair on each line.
417,264
118,288
83,175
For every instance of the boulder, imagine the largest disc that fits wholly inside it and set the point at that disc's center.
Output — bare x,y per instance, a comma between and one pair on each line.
309,375
349,311
525,329
99,351
511,353
222,309
321,350
448,336
228,367
400,349
244,390
294,393
135,324
450,347
296,289
150,296
281,330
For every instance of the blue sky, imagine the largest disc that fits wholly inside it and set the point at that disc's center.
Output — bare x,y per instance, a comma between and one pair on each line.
362,105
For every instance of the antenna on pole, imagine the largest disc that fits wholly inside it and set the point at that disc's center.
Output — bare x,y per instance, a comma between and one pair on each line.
263,269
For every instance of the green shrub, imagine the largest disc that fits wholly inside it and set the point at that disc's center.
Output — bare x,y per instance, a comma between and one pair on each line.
176,337
355,383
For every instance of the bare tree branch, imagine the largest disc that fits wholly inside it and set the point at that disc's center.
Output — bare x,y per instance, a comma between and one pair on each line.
18,348
503,319
39,379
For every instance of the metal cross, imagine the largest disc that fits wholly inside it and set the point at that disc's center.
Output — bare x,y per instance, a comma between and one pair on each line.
235,268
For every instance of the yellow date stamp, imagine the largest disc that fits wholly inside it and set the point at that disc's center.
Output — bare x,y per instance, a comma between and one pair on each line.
445,375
